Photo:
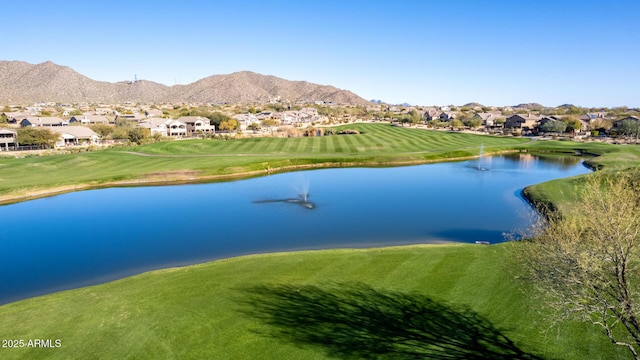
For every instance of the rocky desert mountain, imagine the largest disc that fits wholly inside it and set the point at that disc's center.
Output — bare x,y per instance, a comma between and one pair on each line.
21,82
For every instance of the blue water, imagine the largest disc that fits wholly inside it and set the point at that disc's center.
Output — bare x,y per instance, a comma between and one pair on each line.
89,237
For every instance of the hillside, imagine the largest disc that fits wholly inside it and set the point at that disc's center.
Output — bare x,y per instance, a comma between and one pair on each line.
21,82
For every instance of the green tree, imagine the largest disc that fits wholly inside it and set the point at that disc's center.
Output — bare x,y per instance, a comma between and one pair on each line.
124,122
573,124
630,127
472,122
275,107
216,118
412,117
619,111
270,124
436,123
138,134
102,129
120,133
554,127
584,263
456,124
36,137
601,125
229,125
574,110
499,121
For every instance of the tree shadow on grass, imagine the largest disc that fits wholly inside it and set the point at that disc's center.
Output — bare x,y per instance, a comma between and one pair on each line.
359,322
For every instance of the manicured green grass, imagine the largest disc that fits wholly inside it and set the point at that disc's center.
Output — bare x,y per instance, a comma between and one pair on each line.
562,192
374,139
609,156
299,305
305,305
377,144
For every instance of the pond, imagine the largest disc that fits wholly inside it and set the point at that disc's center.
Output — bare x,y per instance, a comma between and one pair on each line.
89,237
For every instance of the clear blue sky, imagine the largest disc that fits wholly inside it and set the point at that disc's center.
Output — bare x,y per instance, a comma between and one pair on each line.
495,52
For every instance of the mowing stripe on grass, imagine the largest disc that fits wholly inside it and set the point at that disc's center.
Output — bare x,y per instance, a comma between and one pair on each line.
300,145
310,145
323,144
279,145
331,145
350,143
341,144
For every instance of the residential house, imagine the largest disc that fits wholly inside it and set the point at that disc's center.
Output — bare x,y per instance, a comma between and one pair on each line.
309,112
155,126
132,117
36,121
8,138
197,125
89,119
618,124
165,127
526,122
176,128
14,116
75,135
309,115
287,117
432,114
447,115
488,118
264,115
590,117
244,120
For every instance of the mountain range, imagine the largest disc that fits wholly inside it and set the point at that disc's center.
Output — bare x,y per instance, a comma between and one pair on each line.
21,82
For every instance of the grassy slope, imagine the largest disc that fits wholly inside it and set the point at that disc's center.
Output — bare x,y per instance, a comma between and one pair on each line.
377,144
561,192
200,311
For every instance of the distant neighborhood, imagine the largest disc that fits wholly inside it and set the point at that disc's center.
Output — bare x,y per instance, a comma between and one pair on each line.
66,126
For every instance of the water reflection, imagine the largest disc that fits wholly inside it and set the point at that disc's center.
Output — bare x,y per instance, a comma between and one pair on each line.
528,160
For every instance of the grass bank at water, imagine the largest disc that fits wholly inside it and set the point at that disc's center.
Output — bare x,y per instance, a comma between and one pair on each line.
561,193
208,160
403,302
